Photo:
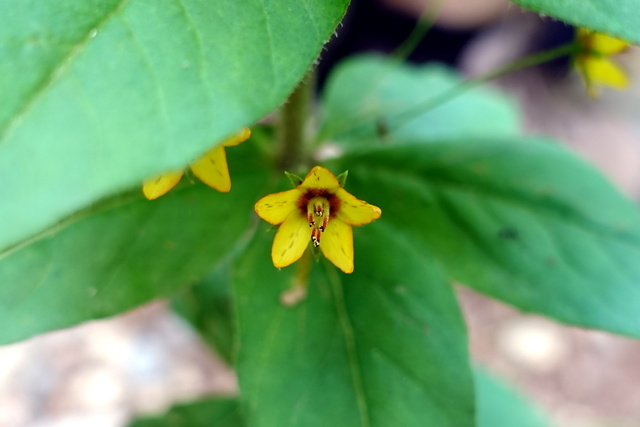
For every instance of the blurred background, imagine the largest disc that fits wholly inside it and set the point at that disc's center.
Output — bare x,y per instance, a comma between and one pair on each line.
106,373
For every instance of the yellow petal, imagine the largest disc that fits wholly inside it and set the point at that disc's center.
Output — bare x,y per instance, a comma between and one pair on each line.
354,211
320,178
212,169
291,240
337,245
604,72
160,185
237,138
275,208
607,45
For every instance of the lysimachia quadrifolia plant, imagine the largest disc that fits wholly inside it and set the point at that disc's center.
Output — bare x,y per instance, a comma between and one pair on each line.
99,96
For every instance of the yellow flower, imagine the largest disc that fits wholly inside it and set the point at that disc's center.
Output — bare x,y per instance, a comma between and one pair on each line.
212,169
321,204
594,63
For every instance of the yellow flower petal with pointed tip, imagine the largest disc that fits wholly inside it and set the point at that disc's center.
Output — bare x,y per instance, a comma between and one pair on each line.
237,138
317,211
291,240
337,245
354,211
160,185
320,178
212,169
604,72
275,208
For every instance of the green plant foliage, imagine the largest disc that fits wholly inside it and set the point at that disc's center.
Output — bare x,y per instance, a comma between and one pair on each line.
372,97
383,346
523,221
112,259
98,95
208,307
618,18
498,404
214,412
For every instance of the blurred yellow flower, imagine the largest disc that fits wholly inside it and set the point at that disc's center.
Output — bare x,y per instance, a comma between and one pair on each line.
593,61
321,204
212,169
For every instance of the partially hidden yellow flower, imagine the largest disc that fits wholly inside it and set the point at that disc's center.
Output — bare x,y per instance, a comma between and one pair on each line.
212,169
319,204
593,61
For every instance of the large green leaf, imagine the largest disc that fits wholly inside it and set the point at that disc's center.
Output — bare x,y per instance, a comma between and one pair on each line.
384,346
497,405
523,221
115,258
214,412
615,17
370,97
99,94
208,307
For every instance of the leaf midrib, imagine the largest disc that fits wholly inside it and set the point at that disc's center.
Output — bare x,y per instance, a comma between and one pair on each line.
350,344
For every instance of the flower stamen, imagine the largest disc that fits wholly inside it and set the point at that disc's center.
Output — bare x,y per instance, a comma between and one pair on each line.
315,237
318,208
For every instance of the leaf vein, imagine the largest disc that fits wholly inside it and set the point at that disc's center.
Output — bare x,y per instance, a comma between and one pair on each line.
197,37
351,347
57,72
162,103
272,60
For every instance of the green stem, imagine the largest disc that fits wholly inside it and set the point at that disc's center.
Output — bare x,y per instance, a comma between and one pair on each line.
530,61
424,24
461,88
292,123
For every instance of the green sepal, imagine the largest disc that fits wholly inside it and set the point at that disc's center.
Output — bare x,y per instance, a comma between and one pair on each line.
294,179
342,178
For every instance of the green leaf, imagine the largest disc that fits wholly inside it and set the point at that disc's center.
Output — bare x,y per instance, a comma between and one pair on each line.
112,259
383,346
618,18
208,307
523,221
500,405
372,97
214,412
98,95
